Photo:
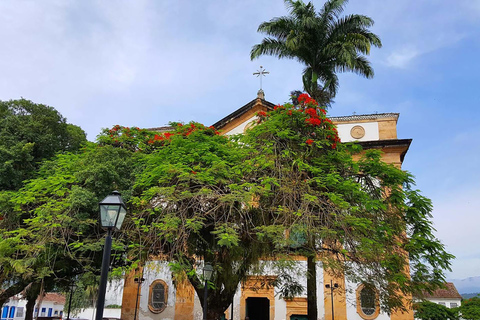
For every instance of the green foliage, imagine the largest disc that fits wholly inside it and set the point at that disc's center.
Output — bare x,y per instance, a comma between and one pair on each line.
363,214
30,132
427,310
50,228
191,201
470,309
324,42
193,194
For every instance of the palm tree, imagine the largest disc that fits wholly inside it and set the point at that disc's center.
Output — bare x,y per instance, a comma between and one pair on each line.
324,42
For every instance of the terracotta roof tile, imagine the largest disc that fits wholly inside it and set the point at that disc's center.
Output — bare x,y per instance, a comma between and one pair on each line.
448,292
54,297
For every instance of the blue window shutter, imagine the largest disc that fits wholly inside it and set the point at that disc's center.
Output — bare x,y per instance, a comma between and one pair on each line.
12,312
5,312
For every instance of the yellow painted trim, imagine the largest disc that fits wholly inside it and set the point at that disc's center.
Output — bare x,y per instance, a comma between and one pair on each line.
296,306
257,287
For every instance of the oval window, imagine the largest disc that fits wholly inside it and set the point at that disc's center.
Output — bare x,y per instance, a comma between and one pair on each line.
157,300
367,302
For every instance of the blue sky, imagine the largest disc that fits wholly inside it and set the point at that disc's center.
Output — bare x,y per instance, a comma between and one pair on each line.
145,63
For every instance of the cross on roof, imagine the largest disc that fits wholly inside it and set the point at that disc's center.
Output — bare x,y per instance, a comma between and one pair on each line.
261,73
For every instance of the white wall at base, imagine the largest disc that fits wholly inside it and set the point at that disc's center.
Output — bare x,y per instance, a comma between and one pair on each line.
17,304
89,313
157,270
446,301
160,270
351,295
114,292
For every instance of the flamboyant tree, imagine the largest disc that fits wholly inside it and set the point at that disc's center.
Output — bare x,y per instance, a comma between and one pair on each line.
361,218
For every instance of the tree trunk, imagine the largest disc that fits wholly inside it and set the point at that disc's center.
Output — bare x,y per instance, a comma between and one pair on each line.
312,311
41,295
31,295
14,289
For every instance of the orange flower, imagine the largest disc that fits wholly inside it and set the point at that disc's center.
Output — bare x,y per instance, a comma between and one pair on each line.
311,111
262,114
309,142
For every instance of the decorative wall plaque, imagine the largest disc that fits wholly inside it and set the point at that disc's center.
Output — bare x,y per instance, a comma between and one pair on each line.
357,132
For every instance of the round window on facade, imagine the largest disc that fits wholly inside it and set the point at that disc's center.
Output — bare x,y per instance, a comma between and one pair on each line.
367,302
157,298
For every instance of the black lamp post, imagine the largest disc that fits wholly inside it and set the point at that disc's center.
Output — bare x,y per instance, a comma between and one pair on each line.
207,275
332,286
72,289
112,214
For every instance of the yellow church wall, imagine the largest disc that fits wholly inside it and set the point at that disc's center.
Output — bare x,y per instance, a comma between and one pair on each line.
130,296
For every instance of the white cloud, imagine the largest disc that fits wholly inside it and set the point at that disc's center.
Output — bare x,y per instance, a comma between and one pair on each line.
402,58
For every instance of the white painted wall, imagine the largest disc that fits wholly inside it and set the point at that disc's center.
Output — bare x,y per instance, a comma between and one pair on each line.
241,127
17,303
89,313
351,297
371,131
157,270
446,301
160,270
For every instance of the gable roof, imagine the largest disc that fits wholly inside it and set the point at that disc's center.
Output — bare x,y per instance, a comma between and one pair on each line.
449,291
239,112
54,297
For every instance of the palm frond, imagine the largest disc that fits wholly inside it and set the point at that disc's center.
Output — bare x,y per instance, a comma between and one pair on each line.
354,24
331,11
359,65
271,47
278,27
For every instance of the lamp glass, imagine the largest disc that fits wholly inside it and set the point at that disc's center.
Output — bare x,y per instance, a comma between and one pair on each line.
112,211
207,271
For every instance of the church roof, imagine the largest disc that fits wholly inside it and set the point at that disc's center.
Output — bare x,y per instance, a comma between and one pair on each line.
449,291
239,112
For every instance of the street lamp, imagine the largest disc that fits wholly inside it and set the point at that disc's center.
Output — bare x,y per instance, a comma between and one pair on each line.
112,214
332,286
72,289
207,275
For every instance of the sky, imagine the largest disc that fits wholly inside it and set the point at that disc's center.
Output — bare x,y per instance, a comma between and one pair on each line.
146,63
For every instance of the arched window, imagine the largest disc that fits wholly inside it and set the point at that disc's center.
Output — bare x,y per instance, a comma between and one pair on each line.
367,302
157,298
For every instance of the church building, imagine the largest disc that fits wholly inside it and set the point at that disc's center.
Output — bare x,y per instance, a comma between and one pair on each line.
158,297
